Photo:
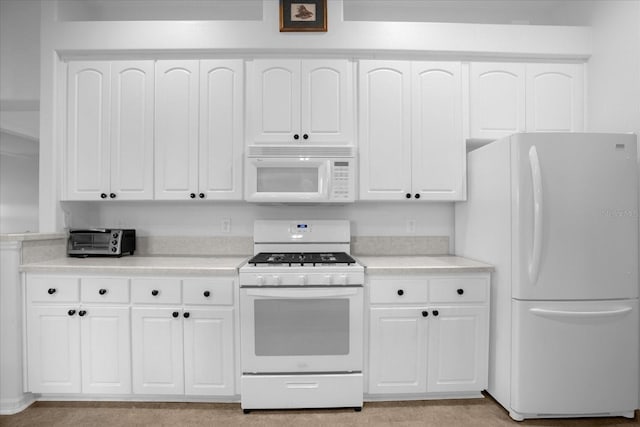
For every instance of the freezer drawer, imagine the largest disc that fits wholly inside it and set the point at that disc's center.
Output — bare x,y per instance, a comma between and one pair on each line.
573,358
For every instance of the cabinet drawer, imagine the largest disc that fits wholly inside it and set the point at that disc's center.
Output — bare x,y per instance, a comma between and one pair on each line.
155,291
208,291
53,289
458,289
409,291
105,289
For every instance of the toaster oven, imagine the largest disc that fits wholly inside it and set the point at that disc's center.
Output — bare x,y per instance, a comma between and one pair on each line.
101,242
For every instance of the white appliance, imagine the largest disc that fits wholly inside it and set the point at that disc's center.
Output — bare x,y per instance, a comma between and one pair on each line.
301,317
557,214
300,174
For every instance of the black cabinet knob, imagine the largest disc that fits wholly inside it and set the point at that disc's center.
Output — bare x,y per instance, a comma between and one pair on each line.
425,313
408,195
51,291
207,294
155,292
201,195
112,195
296,137
175,314
305,136
192,195
460,291
102,291
71,312
417,196
103,195
435,312
400,292
82,313
186,315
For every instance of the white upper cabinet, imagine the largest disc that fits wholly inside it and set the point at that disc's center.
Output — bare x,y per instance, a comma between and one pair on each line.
110,130
497,99
176,130
506,98
220,148
300,101
555,98
198,129
411,140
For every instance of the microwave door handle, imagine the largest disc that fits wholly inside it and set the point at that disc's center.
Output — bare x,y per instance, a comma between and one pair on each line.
290,293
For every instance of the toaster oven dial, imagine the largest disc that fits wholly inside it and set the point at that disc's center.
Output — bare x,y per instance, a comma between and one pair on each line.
115,235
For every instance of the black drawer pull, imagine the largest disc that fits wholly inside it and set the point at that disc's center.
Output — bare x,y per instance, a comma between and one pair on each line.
207,294
460,291
175,314
71,312
425,313
82,313
155,292
102,291
435,312
51,291
186,315
400,292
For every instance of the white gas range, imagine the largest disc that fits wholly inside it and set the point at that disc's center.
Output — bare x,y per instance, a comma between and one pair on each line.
301,308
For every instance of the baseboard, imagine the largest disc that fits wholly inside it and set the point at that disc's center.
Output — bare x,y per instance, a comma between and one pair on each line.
13,406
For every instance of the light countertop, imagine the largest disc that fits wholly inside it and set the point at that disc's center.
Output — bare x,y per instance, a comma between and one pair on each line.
180,265
422,264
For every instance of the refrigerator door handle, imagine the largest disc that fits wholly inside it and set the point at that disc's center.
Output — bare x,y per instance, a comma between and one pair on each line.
579,314
536,178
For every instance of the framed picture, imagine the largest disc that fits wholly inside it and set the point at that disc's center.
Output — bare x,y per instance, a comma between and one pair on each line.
303,15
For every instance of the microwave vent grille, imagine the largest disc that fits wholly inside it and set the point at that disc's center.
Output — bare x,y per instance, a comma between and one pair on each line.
300,151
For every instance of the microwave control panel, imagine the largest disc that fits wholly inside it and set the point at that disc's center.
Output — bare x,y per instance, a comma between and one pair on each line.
341,189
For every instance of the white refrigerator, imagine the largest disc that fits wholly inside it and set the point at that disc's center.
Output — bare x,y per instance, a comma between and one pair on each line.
557,215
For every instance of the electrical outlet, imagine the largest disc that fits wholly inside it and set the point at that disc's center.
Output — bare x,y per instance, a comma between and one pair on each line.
226,225
411,226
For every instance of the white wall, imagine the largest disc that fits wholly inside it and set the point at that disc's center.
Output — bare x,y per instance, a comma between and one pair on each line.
18,184
614,68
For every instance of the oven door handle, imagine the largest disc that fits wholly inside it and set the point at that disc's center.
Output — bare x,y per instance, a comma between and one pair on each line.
302,292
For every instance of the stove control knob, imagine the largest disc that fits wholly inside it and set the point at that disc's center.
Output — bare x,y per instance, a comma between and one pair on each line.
327,279
342,279
276,280
259,280
302,280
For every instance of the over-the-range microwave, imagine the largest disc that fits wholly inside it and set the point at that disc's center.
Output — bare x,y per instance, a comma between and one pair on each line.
300,174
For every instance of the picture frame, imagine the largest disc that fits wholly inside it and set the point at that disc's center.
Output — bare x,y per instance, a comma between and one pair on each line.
303,15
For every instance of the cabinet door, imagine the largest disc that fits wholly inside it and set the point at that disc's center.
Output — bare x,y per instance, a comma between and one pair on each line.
209,351
106,353
274,115
176,129
458,349
157,351
385,129
221,144
326,102
132,130
555,98
88,130
438,147
398,350
497,99
53,349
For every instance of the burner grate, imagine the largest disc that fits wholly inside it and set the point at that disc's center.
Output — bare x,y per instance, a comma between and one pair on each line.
301,258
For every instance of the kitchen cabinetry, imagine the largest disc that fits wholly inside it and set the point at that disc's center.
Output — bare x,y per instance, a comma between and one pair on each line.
198,130
78,344
516,97
183,348
428,334
110,130
411,132
300,101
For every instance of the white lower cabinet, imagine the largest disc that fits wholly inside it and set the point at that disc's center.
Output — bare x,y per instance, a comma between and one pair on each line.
173,336
74,346
428,334
184,348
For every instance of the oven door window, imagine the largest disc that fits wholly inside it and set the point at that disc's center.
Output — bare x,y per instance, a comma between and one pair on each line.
87,241
301,327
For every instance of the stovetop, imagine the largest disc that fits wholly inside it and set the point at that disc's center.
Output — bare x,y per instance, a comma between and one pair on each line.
295,259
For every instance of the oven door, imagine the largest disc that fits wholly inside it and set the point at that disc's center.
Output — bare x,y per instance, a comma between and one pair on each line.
287,180
301,329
